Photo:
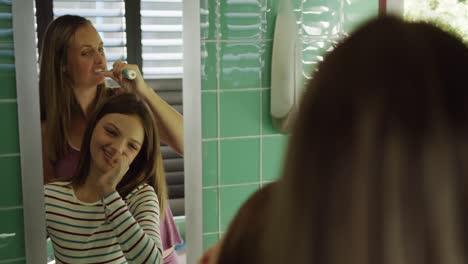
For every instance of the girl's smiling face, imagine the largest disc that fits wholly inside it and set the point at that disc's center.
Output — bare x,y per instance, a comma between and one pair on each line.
115,133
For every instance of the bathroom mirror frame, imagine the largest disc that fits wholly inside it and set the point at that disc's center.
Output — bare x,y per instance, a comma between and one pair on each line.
30,133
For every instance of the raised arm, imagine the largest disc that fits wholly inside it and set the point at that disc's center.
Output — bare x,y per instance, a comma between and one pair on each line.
170,122
136,229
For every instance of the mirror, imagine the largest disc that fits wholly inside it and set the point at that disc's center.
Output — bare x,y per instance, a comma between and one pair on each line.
30,133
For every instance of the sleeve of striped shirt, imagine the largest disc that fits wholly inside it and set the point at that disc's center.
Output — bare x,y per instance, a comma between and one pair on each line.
138,233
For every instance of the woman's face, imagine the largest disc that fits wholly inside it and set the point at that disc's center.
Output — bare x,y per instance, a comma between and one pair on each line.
115,133
85,55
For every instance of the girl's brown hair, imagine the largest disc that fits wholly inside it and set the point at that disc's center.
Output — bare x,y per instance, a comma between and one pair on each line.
377,163
57,100
148,165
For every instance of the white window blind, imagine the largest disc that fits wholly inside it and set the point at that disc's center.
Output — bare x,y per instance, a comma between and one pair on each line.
108,16
161,26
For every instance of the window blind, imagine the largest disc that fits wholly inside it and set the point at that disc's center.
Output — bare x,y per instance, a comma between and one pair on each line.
170,90
161,26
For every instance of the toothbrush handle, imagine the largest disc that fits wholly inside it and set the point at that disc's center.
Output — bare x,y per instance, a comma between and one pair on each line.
129,74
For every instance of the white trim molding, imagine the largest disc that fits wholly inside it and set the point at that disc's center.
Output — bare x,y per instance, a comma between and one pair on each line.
29,131
191,84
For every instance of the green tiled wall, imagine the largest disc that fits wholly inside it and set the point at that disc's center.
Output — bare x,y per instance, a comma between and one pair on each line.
11,210
241,149
236,56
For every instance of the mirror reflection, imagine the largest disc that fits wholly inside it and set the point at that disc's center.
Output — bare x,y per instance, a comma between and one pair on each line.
113,192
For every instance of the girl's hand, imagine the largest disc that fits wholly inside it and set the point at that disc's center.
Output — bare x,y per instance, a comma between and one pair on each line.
109,180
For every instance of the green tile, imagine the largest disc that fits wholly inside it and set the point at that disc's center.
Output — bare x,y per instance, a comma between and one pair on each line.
321,17
240,161
8,81
273,149
241,19
12,223
209,115
240,113
7,56
313,53
267,125
356,12
271,13
5,6
6,35
210,210
7,45
231,200
240,65
20,261
6,23
10,182
210,163
208,19
9,139
209,240
50,251
208,66
266,51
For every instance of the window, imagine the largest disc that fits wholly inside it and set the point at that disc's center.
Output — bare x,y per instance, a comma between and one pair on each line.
161,26
451,15
154,43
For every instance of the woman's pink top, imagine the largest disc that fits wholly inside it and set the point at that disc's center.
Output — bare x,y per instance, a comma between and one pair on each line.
65,168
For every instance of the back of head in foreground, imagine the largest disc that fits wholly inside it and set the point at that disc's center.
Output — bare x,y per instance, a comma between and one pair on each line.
377,163
242,241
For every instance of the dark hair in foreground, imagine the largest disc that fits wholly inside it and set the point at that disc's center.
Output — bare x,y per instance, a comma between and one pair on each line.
241,244
147,167
377,163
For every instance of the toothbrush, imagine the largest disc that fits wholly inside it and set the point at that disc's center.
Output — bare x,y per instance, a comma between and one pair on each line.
128,74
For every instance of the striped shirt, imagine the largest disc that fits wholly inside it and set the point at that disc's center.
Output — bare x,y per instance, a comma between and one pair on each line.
113,230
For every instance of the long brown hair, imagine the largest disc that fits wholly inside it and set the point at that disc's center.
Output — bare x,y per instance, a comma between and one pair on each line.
147,167
377,163
242,241
57,100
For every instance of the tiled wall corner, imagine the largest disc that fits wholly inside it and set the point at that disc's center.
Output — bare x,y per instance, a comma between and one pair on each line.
241,149
11,210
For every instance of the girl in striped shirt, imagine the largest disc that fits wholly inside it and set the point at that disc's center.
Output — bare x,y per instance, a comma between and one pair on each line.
109,212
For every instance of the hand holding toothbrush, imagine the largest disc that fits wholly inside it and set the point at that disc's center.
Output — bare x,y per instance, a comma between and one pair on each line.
128,76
